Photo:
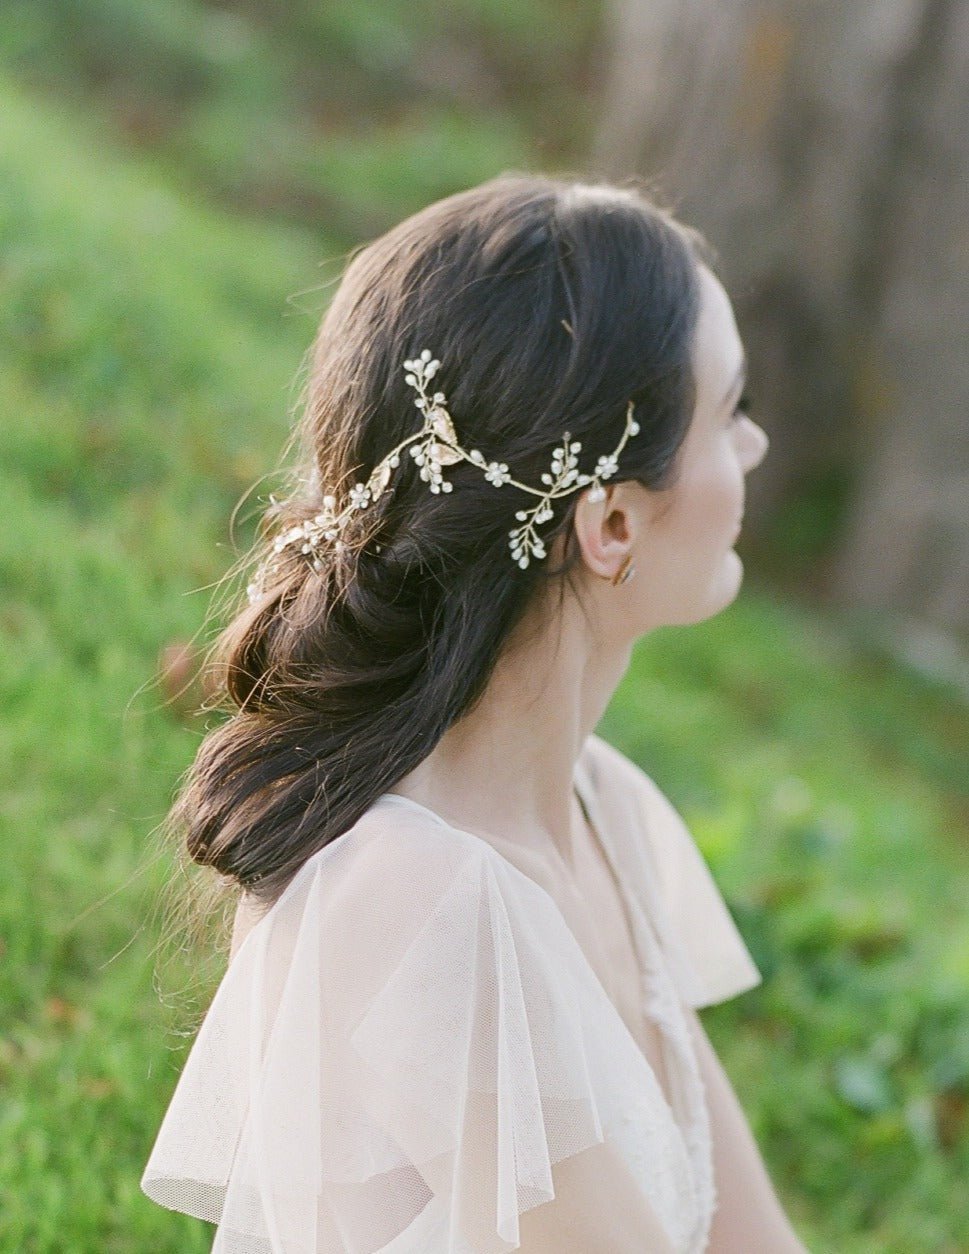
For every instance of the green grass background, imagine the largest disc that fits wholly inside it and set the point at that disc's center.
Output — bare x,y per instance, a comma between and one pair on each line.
152,329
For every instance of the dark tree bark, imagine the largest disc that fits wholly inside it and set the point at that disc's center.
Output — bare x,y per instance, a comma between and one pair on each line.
824,148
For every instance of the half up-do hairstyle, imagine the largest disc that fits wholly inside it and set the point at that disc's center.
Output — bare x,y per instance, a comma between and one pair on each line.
551,305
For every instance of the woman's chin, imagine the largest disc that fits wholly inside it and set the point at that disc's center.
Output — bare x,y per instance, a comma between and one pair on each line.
727,583
720,591
735,569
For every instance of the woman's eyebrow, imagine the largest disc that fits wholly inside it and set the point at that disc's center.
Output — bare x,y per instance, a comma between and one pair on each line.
740,378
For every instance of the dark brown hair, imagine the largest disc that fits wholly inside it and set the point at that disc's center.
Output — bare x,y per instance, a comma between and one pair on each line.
551,304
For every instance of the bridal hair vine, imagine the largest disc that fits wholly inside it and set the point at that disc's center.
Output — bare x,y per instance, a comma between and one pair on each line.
433,447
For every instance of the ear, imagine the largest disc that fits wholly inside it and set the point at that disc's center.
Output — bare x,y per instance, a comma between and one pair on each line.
606,529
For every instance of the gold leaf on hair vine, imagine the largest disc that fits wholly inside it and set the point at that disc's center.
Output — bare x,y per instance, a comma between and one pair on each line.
433,447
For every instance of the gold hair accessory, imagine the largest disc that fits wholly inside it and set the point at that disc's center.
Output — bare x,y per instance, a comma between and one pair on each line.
436,445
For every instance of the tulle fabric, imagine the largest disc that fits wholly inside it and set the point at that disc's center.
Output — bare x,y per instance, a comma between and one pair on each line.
409,1041
665,877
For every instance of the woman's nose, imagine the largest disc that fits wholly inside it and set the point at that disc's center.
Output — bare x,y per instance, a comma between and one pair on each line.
759,445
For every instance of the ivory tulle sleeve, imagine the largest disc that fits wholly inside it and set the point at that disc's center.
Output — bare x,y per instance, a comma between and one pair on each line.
705,954
713,962
401,1050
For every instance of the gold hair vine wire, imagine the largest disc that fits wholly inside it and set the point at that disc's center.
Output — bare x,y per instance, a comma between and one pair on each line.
435,446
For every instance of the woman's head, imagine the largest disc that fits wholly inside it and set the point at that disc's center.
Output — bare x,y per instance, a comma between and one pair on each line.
682,535
551,305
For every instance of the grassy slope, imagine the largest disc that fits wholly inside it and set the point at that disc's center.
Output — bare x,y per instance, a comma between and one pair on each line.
146,357
345,113
145,370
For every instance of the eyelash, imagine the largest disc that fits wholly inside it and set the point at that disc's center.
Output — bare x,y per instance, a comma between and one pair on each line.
743,407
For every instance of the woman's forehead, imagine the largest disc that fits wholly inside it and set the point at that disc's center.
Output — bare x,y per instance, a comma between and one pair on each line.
718,350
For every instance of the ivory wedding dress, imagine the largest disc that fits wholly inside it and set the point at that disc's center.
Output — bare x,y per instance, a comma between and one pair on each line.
427,1021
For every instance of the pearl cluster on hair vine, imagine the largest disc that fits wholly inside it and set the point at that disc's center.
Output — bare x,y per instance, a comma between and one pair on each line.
433,447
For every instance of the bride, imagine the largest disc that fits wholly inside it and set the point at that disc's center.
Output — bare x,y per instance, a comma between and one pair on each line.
460,1012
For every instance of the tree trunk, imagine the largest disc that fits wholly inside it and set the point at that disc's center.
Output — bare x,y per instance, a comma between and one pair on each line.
823,147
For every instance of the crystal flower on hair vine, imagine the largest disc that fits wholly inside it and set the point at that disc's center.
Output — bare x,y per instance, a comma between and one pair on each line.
433,447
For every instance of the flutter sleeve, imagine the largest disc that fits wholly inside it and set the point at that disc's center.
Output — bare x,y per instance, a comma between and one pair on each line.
398,1055
708,958
705,955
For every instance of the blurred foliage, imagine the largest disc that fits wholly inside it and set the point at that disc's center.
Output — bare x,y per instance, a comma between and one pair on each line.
147,356
340,114
826,788
151,342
